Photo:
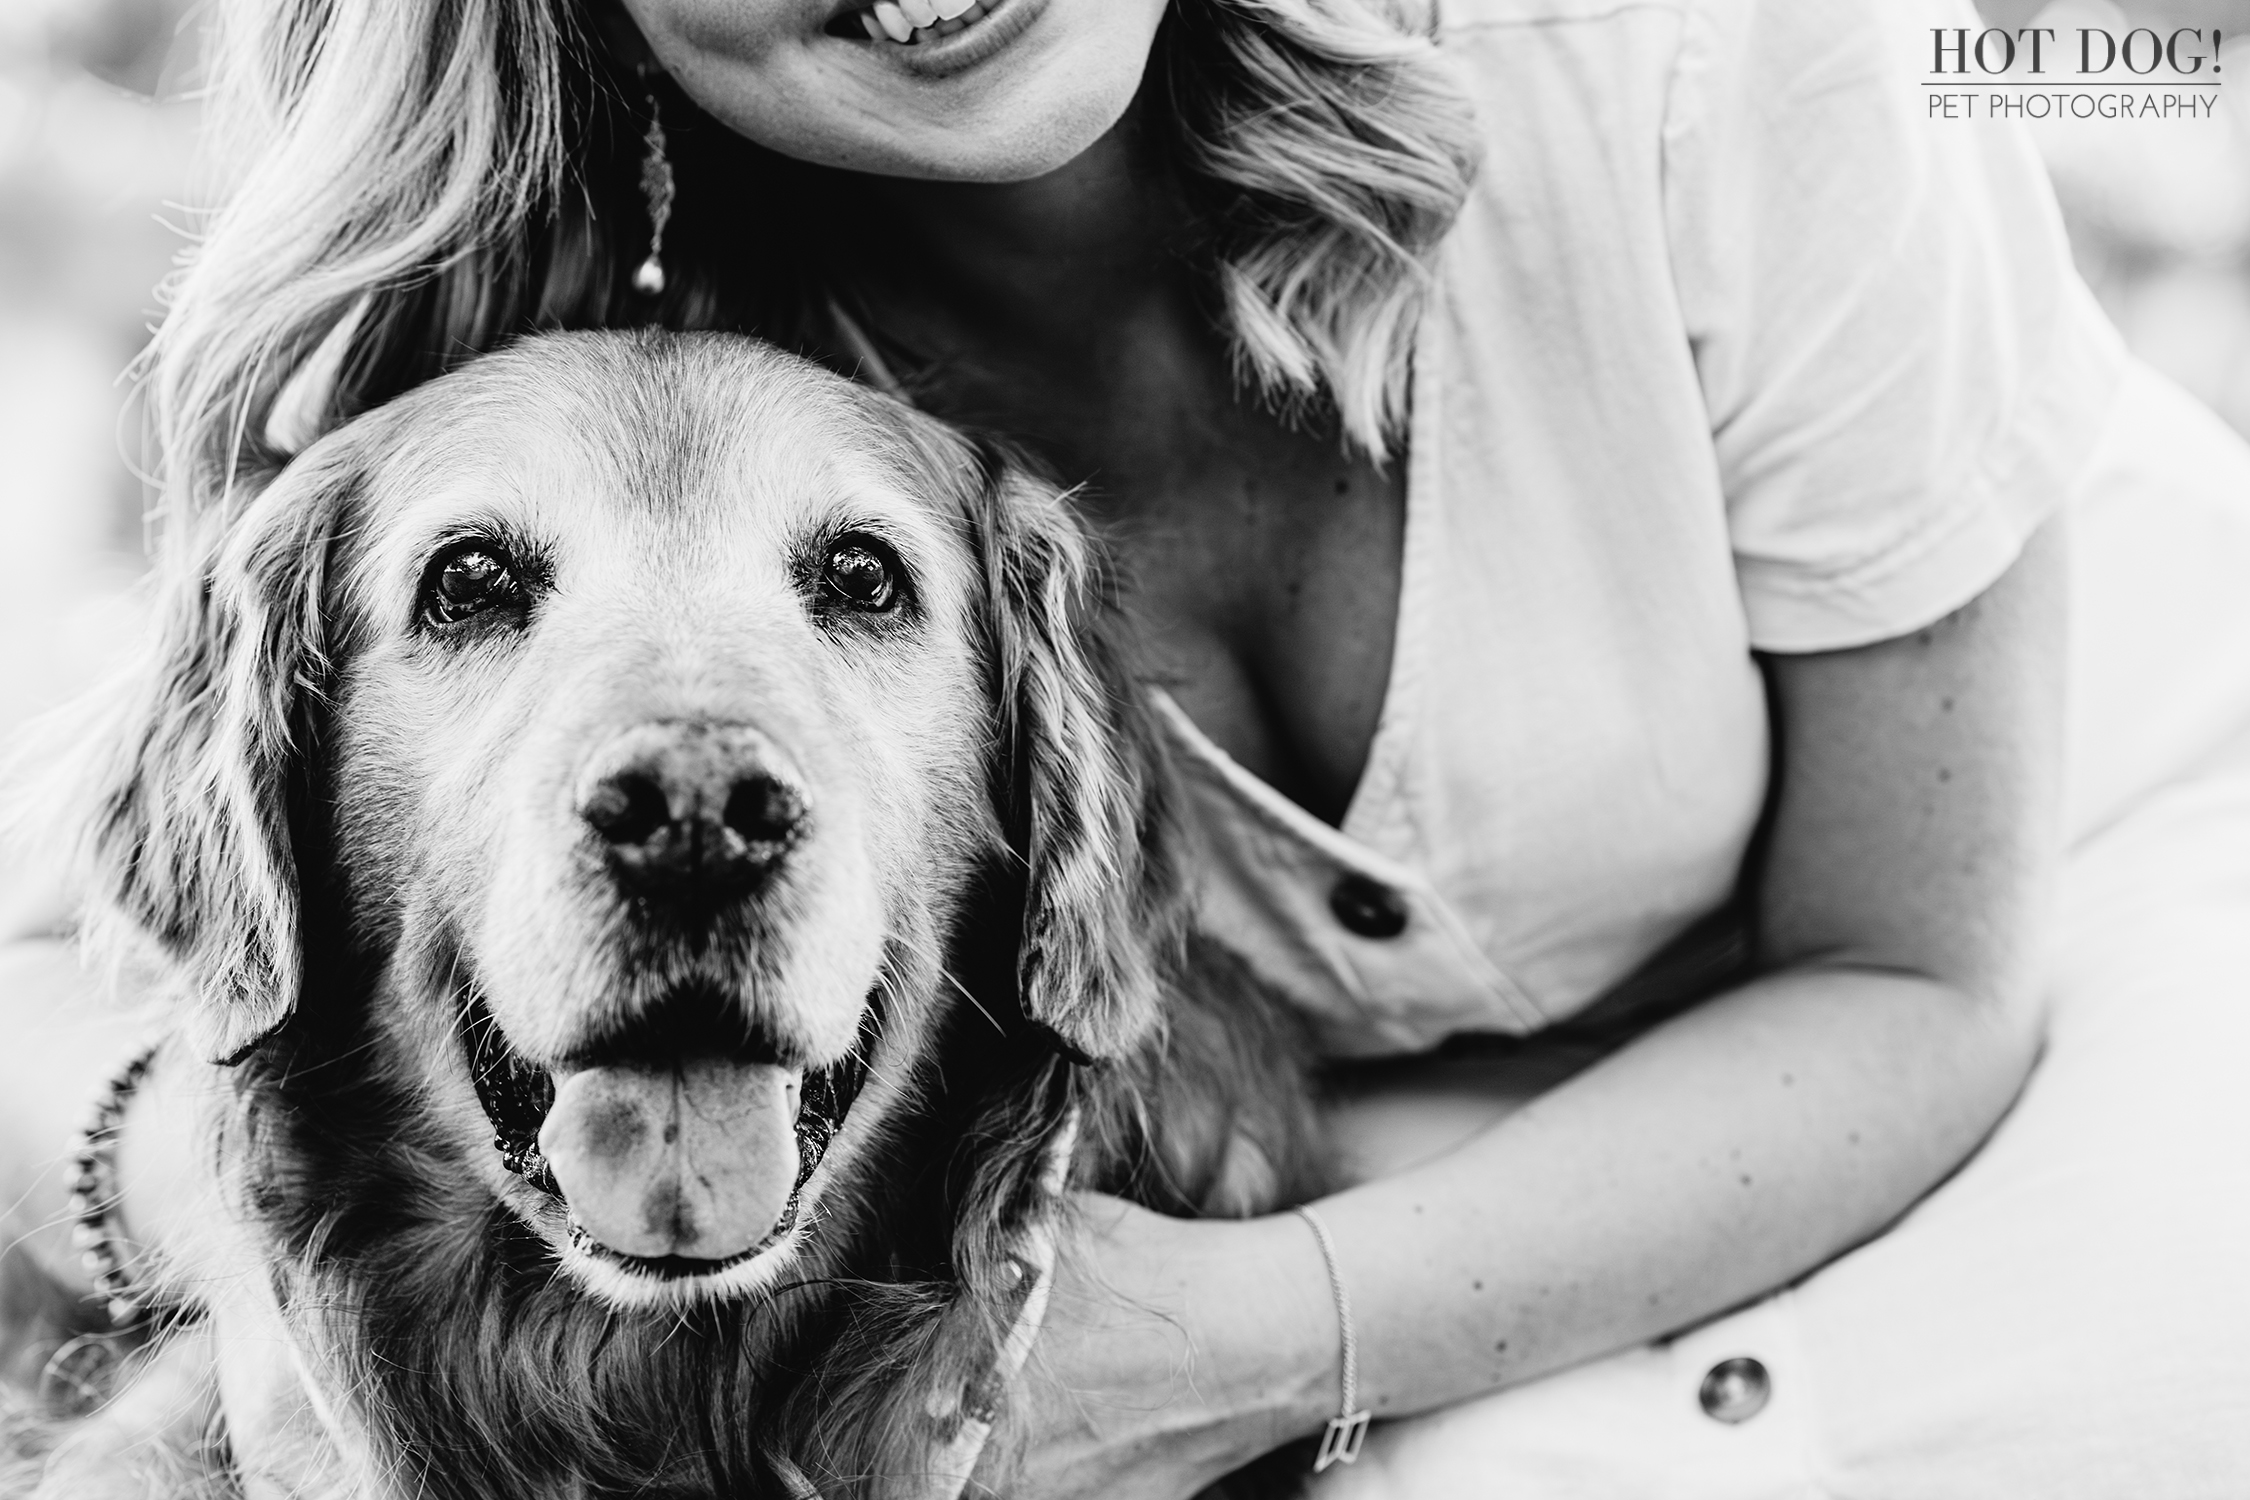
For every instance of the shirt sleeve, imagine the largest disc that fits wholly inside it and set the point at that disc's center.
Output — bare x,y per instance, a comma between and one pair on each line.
1903,372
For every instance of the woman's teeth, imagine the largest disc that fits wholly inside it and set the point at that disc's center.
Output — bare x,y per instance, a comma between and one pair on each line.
919,20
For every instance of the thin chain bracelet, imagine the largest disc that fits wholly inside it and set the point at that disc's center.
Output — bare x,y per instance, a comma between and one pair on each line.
1347,1430
93,1196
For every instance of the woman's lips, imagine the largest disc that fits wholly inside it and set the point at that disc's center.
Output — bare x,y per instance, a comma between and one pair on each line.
918,23
921,36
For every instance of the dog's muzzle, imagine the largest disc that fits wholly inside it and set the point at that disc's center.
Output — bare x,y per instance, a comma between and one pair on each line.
681,1135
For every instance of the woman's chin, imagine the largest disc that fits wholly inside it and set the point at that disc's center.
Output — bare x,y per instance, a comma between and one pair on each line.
1017,156
1004,145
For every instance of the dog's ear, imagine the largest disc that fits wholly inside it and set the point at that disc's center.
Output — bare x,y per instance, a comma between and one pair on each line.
190,837
1077,778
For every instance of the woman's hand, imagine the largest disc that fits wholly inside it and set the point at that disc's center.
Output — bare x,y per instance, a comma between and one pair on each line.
1173,1352
1116,1399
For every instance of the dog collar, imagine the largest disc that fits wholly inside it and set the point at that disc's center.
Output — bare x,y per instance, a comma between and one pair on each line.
94,1197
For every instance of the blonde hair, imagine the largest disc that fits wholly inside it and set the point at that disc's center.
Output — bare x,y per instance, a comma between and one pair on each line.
424,179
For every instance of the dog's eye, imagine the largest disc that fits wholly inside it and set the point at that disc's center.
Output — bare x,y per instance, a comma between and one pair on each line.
468,580
860,573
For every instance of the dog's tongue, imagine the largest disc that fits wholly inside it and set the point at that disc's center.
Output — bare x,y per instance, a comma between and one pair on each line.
695,1159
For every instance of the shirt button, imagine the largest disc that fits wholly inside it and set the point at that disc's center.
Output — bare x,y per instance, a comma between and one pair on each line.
1367,907
1736,1390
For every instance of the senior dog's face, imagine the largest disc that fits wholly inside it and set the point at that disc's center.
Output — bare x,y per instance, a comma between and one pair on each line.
643,711
643,805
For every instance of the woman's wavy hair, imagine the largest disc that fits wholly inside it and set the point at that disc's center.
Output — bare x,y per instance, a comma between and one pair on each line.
421,180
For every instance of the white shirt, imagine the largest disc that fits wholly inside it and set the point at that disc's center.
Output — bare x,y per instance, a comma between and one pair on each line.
1732,349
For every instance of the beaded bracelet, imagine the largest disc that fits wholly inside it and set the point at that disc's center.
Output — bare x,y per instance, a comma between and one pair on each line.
94,1196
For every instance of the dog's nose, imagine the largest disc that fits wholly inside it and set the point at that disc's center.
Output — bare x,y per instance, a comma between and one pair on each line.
692,812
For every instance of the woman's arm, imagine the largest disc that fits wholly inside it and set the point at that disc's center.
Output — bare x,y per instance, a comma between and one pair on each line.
1711,1160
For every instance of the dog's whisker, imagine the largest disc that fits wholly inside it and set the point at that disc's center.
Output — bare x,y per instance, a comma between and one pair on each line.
969,995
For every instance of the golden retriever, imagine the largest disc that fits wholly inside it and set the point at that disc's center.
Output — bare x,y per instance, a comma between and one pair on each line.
653,845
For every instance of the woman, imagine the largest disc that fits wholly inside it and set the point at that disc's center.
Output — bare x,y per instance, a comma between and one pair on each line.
1588,476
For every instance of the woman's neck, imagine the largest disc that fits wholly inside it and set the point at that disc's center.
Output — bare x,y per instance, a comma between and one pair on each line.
1055,263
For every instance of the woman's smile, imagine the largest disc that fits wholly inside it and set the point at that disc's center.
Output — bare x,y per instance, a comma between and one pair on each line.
946,90
918,21
940,38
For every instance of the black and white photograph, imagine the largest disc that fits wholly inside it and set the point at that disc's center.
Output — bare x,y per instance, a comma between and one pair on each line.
1124,750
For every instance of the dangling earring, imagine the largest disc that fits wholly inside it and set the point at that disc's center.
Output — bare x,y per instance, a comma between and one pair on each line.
657,186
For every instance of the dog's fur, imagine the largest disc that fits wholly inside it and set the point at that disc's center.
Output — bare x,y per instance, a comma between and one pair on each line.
338,826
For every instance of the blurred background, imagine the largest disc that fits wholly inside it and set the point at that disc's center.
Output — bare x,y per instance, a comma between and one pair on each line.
97,131
97,138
